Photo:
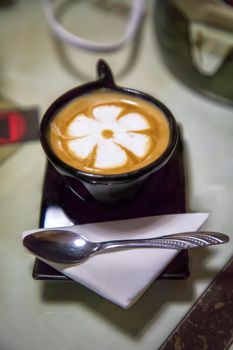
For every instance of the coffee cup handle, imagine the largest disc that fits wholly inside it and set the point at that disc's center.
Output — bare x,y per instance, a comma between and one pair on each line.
105,75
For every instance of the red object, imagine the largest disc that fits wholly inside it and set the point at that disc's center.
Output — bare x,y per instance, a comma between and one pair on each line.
13,127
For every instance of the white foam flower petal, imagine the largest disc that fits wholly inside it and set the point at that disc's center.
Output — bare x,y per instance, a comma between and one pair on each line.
138,144
133,122
82,126
82,147
106,113
109,155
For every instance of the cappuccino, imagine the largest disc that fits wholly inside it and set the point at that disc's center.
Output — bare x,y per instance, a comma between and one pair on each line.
109,132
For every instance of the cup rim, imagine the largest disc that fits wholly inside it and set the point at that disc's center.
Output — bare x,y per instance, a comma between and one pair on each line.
84,89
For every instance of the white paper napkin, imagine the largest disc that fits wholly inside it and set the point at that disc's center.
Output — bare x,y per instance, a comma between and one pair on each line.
123,276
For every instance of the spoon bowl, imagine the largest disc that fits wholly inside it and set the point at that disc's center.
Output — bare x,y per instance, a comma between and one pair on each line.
64,247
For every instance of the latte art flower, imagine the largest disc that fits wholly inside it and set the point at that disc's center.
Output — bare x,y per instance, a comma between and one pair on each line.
108,137
108,133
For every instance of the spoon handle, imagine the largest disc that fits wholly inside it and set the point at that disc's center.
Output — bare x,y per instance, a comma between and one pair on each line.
186,240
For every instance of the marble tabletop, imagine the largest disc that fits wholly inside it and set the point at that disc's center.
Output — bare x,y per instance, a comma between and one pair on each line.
34,70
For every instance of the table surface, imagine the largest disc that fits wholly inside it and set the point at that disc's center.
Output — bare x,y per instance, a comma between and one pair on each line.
34,70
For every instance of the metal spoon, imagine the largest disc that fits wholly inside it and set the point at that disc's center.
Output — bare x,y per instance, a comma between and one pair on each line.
67,247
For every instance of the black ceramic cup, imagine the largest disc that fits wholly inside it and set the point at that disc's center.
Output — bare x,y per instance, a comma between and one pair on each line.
105,188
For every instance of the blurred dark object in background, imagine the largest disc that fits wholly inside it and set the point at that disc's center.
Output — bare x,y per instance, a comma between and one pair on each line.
196,42
7,3
17,126
229,2
8,149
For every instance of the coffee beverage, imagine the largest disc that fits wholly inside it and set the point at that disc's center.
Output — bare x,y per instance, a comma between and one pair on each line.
109,132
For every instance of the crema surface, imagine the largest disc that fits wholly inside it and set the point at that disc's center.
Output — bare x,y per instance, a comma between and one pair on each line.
109,133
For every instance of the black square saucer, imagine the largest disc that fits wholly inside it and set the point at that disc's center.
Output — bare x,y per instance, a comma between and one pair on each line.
162,193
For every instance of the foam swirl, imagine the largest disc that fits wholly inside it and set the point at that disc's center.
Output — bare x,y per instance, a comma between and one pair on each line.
109,134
